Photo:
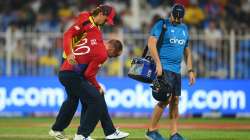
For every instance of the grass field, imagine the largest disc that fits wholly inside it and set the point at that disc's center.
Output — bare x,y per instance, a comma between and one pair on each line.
37,128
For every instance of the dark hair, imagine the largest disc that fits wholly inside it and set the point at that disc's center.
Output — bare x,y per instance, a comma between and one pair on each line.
96,11
116,44
106,10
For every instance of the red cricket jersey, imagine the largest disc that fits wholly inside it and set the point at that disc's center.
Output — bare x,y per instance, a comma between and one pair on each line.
90,52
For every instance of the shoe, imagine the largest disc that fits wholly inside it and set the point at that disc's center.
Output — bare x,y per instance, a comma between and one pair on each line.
81,137
176,136
117,135
58,135
154,135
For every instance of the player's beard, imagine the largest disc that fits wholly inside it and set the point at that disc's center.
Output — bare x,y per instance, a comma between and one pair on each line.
176,21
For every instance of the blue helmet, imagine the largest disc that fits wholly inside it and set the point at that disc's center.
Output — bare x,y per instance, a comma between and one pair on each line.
178,11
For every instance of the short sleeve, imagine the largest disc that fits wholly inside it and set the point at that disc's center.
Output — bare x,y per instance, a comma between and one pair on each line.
156,30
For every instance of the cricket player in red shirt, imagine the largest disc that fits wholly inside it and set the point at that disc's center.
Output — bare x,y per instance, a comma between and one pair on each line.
85,52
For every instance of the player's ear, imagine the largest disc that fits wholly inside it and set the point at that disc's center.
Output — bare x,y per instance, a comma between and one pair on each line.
101,13
119,53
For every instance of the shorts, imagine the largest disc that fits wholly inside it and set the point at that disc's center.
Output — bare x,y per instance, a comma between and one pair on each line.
175,81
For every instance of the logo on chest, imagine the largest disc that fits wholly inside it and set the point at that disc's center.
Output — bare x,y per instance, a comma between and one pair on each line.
177,41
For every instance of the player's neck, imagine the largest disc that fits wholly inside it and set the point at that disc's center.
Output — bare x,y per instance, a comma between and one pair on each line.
95,20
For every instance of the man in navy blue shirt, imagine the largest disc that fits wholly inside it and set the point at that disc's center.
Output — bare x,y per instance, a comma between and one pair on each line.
168,61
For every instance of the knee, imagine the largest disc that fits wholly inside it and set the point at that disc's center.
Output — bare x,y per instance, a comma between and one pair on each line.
162,104
72,100
97,100
99,106
174,101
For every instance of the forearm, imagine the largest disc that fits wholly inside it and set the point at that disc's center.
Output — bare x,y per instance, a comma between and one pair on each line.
188,59
153,50
189,64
